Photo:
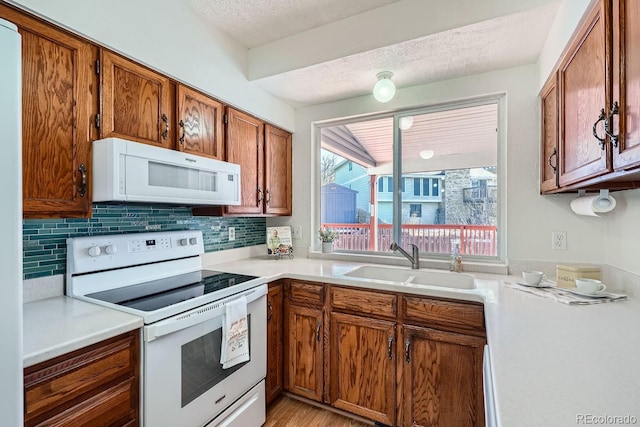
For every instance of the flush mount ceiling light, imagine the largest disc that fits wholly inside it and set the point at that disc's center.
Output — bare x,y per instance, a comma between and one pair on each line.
406,122
427,154
384,89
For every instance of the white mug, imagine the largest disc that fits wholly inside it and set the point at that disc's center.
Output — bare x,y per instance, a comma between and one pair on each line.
590,286
532,277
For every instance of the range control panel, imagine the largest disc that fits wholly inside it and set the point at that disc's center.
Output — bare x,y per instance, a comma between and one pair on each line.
94,253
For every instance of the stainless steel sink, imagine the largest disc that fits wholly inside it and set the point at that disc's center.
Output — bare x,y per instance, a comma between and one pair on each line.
409,277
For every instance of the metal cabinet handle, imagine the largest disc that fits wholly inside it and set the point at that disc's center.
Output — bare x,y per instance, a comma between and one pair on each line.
270,314
390,347
555,168
82,189
407,346
259,196
318,326
165,119
608,125
602,117
181,124
268,196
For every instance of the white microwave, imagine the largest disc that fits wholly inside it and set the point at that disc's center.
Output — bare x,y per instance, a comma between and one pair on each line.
127,171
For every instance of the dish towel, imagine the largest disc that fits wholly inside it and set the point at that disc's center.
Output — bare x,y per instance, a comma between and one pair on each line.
235,333
560,295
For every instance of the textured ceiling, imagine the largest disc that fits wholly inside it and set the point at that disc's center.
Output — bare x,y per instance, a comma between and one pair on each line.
256,22
313,51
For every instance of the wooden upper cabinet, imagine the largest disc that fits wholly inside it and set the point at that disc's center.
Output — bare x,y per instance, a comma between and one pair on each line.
584,91
626,83
245,146
59,100
278,178
363,366
200,127
549,135
442,378
136,102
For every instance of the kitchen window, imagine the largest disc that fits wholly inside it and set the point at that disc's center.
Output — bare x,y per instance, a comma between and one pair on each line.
428,177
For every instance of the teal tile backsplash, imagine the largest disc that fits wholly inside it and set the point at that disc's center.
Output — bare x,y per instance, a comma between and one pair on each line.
45,246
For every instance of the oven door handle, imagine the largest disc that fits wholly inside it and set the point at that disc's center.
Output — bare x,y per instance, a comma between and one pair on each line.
199,315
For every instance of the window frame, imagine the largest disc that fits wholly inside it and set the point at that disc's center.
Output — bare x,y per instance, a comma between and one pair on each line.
500,99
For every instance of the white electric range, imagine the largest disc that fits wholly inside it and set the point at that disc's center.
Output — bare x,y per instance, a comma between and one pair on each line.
158,277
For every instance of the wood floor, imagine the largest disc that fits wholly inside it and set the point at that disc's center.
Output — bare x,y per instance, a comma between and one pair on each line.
288,412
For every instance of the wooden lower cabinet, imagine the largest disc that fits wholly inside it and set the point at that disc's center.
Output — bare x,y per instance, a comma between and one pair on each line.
94,386
275,334
305,349
363,366
441,378
393,358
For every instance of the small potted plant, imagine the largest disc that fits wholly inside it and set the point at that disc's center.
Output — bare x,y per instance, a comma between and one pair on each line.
326,237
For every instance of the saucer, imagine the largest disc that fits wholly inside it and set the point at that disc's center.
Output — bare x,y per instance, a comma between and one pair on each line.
543,284
575,291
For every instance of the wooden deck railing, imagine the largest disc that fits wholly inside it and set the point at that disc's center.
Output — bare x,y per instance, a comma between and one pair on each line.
437,238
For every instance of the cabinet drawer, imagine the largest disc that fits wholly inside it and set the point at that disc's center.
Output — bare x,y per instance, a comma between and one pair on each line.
305,292
444,313
364,302
56,384
114,406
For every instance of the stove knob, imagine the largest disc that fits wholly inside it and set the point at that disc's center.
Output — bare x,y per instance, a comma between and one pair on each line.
183,242
94,251
111,249
193,241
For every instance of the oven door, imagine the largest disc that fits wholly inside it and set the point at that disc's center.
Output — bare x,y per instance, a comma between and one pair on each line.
184,383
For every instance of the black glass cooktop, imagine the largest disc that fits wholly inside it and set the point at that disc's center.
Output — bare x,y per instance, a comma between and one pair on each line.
157,294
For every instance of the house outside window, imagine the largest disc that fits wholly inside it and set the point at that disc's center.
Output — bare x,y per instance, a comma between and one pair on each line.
440,210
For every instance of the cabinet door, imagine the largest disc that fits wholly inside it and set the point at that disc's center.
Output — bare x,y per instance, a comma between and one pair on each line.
626,72
549,136
305,348
363,366
441,378
200,128
245,146
136,102
583,94
275,331
59,99
277,171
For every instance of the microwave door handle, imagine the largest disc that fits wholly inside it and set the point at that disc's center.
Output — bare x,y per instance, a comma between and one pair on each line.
199,315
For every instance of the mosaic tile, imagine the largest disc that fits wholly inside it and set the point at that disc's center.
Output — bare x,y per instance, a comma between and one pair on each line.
44,241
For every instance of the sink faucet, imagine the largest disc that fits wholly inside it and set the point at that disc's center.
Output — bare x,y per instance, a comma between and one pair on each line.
414,258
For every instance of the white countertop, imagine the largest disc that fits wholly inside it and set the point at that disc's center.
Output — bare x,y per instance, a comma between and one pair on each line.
55,326
552,363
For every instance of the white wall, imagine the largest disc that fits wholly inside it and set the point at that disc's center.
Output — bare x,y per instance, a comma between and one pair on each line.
530,217
569,15
168,36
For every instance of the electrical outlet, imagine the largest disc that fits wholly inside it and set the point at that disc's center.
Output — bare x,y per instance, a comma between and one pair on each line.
296,231
559,240
232,234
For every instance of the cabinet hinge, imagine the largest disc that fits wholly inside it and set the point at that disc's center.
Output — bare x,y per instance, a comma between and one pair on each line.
97,66
97,121
225,119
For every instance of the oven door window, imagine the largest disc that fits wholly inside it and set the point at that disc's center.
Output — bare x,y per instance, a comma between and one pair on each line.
201,367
